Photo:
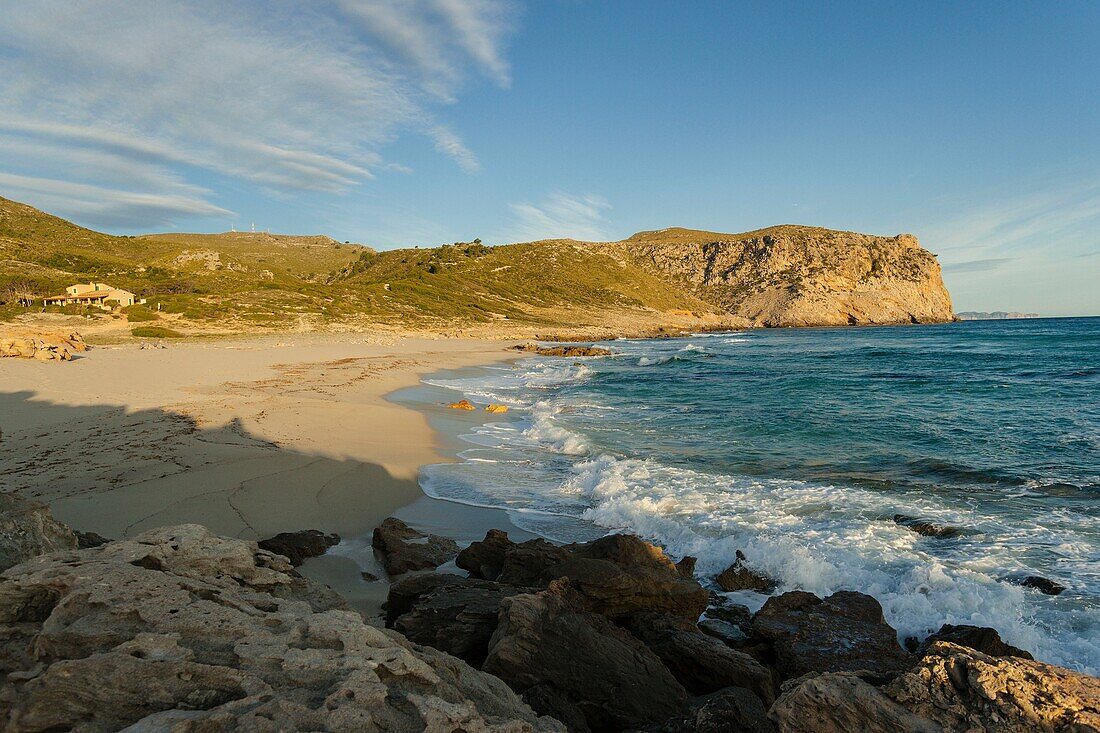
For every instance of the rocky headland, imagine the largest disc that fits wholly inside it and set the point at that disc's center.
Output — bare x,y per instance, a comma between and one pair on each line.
177,629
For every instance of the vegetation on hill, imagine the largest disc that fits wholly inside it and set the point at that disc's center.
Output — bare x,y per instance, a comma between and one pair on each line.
673,278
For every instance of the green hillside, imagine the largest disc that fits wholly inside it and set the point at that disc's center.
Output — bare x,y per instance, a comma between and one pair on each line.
242,281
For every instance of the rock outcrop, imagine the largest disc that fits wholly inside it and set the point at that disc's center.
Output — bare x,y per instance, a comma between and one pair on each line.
800,276
979,638
962,689
579,665
404,549
28,529
178,629
739,576
42,346
845,632
841,702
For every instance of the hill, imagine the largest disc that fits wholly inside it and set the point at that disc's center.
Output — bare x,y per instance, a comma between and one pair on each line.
801,276
668,280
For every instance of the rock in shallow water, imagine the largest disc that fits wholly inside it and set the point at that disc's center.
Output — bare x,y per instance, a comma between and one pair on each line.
299,546
926,528
978,638
404,549
740,577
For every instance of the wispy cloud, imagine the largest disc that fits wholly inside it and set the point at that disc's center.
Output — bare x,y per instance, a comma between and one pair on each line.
286,96
558,216
991,263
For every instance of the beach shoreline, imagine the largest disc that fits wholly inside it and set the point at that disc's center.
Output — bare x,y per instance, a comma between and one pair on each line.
249,437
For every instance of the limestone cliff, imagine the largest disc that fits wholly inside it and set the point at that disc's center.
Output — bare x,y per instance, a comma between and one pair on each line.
800,276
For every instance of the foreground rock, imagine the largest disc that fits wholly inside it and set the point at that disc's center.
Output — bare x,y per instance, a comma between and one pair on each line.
178,629
843,703
733,710
28,529
404,549
42,346
299,546
962,689
845,632
579,667
701,663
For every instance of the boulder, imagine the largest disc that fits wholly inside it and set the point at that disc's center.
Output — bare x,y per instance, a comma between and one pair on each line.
724,631
570,351
457,618
581,662
845,632
621,574
962,689
178,629
496,409
298,546
28,529
978,638
404,549
701,663
485,559
406,591
1043,585
740,577
732,710
841,702
461,405
927,528
85,540
527,562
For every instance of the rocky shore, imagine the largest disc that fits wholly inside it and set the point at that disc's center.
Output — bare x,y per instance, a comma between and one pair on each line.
178,629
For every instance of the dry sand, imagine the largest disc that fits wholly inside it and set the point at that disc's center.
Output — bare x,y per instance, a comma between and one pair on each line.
249,438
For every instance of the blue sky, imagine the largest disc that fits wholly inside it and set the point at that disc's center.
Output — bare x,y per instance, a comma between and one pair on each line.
975,126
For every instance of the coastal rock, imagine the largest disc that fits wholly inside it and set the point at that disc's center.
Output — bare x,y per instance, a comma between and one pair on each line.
979,638
85,540
926,528
724,631
965,690
41,346
565,350
580,660
457,618
701,663
462,405
298,546
686,566
843,703
800,276
496,409
404,549
406,591
621,574
739,577
28,529
178,629
527,562
845,632
1043,585
485,559
732,710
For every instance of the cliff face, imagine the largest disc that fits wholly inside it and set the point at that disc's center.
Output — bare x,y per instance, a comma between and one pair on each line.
801,276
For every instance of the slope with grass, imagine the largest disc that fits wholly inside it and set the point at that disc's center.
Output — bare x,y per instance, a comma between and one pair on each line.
664,281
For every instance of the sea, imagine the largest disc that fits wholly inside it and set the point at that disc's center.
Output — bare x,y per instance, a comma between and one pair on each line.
800,446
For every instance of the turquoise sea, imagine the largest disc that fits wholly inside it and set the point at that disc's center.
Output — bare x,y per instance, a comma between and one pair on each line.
800,446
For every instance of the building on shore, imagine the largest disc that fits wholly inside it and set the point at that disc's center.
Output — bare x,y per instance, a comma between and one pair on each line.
100,295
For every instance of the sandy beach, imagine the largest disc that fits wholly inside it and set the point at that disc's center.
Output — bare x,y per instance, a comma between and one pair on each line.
248,437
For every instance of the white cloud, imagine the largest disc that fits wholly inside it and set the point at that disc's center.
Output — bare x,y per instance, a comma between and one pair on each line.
559,216
285,95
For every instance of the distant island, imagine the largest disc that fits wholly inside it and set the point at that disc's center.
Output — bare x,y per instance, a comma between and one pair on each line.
993,315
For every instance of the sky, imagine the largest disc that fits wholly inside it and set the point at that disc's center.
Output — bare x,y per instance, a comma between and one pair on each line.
975,126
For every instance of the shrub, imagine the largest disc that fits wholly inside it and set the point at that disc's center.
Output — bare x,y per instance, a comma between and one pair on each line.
140,313
155,332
